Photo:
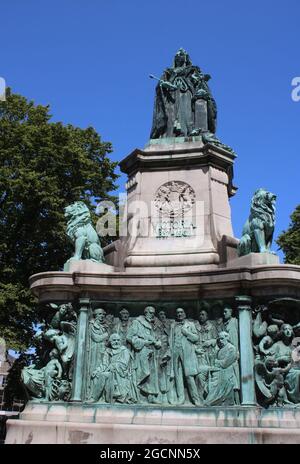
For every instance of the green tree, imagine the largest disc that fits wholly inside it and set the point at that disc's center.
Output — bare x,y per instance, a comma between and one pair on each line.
289,240
44,166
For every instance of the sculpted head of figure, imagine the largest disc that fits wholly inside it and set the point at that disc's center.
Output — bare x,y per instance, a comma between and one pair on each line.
51,335
124,315
63,309
54,354
203,316
115,340
182,59
287,331
227,312
180,314
162,316
149,312
223,339
99,314
272,331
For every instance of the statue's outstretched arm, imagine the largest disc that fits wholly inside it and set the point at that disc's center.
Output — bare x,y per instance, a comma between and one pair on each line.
167,85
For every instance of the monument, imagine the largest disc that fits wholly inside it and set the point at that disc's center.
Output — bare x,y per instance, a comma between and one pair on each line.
177,332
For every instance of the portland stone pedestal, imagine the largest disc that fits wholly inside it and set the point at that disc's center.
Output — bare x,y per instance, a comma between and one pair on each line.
177,204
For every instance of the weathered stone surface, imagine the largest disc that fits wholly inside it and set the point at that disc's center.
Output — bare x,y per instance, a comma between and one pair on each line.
254,259
131,425
87,266
180,174
169,283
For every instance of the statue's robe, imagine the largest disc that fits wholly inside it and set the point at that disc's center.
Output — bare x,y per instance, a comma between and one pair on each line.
34,380
176,111
97,341
121,328
120,383
206,356
222,382
231,327
281,351
292,383
139,334
219,324
207,332
164,362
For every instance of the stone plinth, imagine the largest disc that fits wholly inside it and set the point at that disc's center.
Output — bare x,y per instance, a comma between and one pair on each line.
73,424
187,173
87,265
168,284
254,259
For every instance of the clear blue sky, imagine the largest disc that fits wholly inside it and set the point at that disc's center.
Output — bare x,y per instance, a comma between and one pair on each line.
90,60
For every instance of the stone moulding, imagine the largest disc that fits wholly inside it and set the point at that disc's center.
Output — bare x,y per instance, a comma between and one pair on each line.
172,156
165,155
59,423
231,416
277,279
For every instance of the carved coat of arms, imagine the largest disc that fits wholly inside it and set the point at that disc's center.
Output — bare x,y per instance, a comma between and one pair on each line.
173,199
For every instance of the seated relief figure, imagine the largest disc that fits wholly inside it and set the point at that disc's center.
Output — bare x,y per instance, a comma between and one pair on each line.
53,381
65,344
64,313
209,354
113,380
277,372
34,381
44,383
222,381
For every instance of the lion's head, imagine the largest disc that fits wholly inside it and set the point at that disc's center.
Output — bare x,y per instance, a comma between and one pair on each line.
76,209
263,203
77,215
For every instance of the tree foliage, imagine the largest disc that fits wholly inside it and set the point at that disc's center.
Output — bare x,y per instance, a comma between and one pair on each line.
44,166
289,240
